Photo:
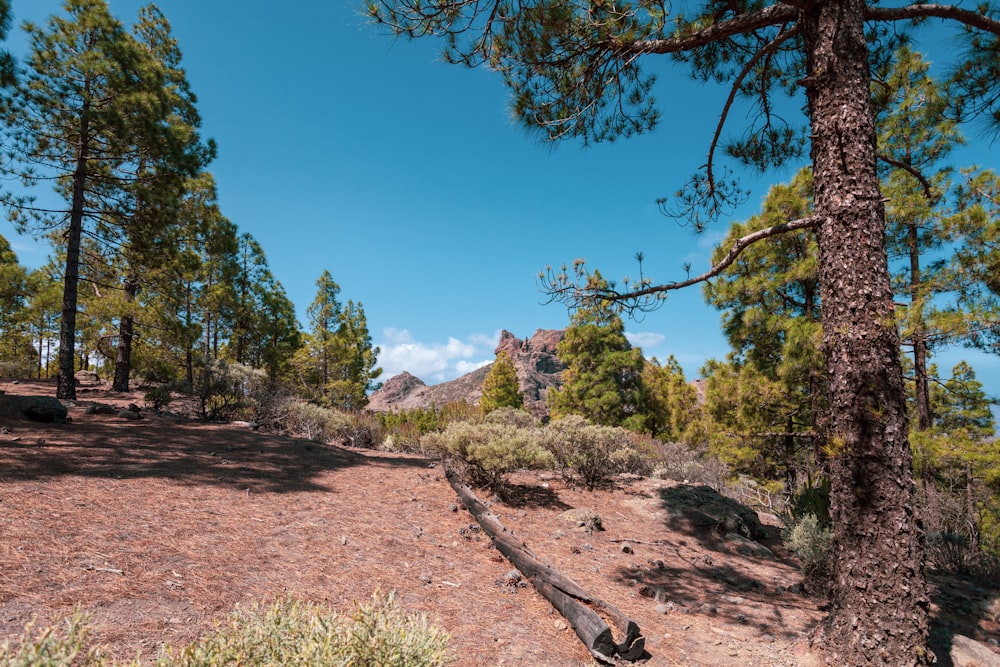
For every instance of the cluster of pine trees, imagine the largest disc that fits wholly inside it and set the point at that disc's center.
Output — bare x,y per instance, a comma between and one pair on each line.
148,279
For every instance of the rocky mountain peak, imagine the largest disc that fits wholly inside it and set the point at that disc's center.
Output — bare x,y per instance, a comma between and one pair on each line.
538,370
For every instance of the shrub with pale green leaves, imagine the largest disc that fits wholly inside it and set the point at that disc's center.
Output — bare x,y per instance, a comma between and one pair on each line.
309,635
513,417
490,451
592,454
310,421
300,634
59,645
812,543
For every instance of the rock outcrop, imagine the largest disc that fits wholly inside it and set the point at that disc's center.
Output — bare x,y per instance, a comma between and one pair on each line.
538,370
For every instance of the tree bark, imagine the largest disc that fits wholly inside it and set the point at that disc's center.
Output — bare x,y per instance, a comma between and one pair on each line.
585,613
879,602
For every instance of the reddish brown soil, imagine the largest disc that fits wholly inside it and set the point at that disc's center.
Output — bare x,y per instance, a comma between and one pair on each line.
159,527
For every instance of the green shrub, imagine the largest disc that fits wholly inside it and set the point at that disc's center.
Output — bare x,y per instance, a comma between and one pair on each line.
158,398
224,389
590,453
513,417
61,645
308,420
814,499
811,542
288,632
489,451
17,370
405,428
308,635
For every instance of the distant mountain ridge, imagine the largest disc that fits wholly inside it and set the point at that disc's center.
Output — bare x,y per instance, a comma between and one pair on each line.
538,370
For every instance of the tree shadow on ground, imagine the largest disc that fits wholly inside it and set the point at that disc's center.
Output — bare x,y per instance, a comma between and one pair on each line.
190,453
528,495
708,516
962,605
687,594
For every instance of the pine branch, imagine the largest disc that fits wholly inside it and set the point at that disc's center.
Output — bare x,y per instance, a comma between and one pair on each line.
912,171
648,298
773,15
759,55
972,19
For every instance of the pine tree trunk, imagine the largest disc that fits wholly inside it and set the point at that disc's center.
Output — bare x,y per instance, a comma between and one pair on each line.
126,330
879,602
65,380
189,352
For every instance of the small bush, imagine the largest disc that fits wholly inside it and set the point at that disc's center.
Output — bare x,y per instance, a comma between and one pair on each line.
814,499
287,632
308,420
61,645
307,635
512,417
811,542
590,453
683,464
364,430
17,370
224,389
158,398
404,429
490,451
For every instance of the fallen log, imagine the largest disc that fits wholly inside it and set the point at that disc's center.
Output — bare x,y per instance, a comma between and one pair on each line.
585,613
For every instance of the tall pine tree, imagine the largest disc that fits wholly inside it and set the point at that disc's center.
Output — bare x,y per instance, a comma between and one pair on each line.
65,120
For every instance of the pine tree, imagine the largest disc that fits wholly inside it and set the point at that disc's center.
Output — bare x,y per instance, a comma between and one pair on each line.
166,151
355,360
252,281
280,337
65,119
959,462
501,386
324,319
915,138
13,304
602,380
581,72
42,315
975,265
672,410
337,365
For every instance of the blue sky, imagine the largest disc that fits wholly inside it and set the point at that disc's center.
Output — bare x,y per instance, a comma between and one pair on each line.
343,149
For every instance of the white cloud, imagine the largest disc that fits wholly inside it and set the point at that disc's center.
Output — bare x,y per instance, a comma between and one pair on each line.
464,367
645,339
433,362
395,336
485,340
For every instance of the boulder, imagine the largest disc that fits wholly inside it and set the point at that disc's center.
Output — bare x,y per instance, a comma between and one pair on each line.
966,652
87,377
37,408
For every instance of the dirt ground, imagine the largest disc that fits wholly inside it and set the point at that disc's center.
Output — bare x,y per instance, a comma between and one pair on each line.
159,527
